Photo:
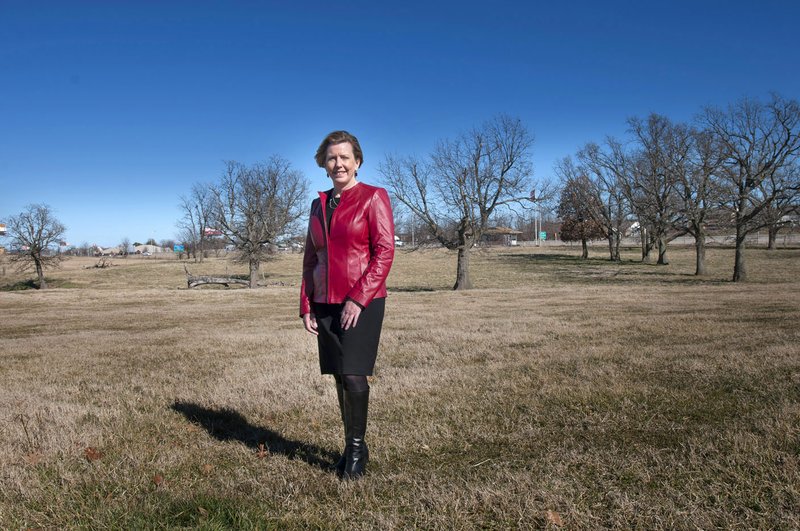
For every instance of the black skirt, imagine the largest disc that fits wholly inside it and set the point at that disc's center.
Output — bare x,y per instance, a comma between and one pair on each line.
350,351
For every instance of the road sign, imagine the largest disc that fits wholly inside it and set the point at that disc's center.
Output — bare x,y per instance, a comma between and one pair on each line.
178,248
542,235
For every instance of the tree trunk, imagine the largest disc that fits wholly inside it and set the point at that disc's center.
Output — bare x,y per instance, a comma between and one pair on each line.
647,246
584,249
40,273
772,231
254,273
739,272
462,269
662,250
700,254
611,246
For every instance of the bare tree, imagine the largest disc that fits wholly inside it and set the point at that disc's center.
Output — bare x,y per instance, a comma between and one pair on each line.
577,207
698,192
784,186
606,168
254,205
124,246
33,231
457,189
658,163
197,210
758,140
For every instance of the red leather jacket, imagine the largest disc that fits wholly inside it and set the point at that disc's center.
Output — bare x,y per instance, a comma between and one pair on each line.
353,261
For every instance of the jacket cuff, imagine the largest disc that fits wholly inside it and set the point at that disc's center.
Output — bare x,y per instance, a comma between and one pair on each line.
305,306
360,298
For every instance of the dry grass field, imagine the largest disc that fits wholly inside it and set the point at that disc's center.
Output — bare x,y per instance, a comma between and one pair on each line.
559,393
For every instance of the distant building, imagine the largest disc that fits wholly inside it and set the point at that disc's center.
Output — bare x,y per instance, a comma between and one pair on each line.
552,230
109,251
2,229
152,249
501,236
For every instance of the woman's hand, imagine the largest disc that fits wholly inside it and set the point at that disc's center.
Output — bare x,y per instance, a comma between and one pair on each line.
310,323
350,313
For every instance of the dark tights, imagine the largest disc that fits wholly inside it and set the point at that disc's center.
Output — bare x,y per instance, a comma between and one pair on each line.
355,383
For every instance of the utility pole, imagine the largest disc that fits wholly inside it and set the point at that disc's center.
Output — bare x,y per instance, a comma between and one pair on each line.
538,227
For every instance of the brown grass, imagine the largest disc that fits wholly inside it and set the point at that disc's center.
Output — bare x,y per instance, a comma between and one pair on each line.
611,395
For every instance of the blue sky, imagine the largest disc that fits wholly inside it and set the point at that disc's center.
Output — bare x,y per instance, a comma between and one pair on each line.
110,110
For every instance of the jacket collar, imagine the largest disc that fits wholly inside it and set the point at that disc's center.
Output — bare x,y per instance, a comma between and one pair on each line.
323,195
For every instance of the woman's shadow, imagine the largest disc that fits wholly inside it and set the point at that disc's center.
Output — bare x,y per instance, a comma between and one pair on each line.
229,425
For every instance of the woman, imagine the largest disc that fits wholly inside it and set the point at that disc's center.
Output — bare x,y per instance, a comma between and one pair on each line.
349,251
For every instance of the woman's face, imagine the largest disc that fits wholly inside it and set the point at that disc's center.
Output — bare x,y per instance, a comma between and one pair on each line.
341,165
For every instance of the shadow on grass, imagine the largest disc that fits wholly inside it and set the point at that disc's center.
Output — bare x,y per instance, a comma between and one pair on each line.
582,270
230,425
561,258
32,284
19,286
409,289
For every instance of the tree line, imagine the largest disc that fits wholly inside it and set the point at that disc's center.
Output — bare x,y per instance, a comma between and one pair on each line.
732,167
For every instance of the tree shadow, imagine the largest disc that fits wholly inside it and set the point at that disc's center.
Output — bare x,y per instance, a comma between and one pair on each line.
590,270
20,285
229,425
410,289
570,258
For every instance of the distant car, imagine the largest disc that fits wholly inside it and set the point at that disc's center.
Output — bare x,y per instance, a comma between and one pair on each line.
146,253
398,242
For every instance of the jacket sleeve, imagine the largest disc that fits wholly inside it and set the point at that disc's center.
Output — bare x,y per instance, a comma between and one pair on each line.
381,244
309,262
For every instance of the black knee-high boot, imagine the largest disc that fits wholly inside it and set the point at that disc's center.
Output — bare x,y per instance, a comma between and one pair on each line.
356,452
340,396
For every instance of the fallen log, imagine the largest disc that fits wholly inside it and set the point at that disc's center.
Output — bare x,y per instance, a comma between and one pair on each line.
193,282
